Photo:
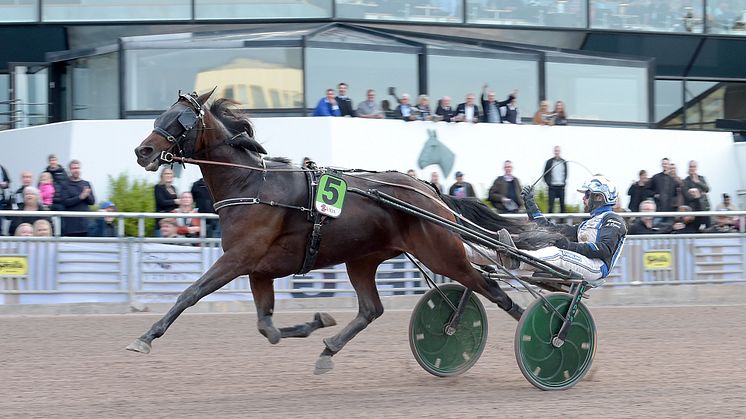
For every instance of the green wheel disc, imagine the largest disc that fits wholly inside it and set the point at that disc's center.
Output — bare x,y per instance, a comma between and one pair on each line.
438,353
543,365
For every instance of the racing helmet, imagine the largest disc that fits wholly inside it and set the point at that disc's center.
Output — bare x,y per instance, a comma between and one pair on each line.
599,184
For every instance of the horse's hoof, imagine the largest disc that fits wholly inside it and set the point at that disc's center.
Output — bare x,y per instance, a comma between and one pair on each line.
273,335
326,319
139,346
323,364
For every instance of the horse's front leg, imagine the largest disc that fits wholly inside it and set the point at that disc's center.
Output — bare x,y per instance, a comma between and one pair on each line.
264,300
222,272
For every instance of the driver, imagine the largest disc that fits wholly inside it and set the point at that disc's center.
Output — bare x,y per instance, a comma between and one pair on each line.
594,245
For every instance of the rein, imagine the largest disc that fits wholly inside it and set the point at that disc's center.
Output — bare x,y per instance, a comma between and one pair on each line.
168,157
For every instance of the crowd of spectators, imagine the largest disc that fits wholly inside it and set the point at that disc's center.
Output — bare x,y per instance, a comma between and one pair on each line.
58,189
488,109
664,192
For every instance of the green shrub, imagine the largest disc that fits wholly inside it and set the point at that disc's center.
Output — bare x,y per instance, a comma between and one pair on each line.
133,196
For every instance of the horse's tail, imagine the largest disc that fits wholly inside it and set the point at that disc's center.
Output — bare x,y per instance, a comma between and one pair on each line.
481,215
527,235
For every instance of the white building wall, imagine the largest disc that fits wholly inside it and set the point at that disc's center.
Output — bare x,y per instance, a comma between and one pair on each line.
106,148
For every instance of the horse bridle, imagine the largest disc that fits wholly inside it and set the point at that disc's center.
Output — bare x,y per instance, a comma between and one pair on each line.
187,119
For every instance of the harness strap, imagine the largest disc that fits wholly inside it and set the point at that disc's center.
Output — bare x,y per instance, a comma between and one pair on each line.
314,241
251,201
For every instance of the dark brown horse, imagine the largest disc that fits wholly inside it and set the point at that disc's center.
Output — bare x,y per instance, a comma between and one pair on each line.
265,233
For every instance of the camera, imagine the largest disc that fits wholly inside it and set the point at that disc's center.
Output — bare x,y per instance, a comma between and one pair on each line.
392,91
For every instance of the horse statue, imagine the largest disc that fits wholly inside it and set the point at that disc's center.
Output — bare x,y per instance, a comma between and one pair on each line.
268,222
435,152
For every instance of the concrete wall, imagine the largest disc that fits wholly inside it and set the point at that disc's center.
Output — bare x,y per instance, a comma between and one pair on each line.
106,148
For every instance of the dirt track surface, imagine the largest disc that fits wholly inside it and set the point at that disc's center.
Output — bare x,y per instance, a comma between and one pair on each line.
651,362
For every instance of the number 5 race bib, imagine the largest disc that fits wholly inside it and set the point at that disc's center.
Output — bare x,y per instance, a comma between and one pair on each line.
331,195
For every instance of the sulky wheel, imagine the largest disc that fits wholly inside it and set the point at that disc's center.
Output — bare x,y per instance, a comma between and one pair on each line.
437,352
544,365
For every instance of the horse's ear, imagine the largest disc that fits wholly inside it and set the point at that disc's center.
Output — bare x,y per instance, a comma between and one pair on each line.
203,98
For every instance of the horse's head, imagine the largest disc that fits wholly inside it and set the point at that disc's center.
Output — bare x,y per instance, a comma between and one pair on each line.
174,133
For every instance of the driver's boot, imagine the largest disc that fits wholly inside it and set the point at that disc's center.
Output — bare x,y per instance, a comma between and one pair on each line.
503,255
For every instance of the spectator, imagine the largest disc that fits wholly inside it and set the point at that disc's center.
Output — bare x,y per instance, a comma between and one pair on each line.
560,117
695,191
104,227
5,198
369,108
639,192
31,202
168,228
725,204
27,179
412,173
42,228
647,225
663,188
24,230
186,226
555,176
204,202
445,112
461,189
467,111
422,110
505,193
491,107
60,179
685,224
343,101
435,180
510,114
58,172
404,110
695,188
679,185
724,223
386,108
166,199
543,116
46,189
76,195
327,105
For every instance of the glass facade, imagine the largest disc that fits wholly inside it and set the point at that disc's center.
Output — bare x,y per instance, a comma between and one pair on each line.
114,10
598,92
5,114
95,87
361,70
449,11
648,15
268,9
556,13
257,78
668,98
726,17
458,76
19,11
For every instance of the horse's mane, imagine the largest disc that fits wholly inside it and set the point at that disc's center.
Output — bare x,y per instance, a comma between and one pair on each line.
233,119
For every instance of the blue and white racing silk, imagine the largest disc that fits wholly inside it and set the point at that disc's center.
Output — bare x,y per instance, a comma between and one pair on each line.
600,240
